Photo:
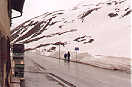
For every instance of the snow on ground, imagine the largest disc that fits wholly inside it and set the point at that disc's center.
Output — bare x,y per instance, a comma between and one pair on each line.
107,62
111,34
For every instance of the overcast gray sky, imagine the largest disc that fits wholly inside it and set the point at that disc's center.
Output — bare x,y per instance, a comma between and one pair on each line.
34,8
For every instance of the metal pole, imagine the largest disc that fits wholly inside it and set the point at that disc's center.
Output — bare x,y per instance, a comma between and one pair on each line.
59,51
39,50
76,56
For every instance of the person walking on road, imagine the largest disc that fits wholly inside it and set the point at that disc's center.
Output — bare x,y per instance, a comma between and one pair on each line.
65,56
68,55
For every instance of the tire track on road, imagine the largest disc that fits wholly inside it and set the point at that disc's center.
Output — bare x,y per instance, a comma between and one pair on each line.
60,80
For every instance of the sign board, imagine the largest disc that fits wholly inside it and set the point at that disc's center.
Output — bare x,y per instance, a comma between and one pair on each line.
19,70
76,48
18,48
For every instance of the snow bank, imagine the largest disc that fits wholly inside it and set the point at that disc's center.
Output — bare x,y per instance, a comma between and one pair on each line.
106,62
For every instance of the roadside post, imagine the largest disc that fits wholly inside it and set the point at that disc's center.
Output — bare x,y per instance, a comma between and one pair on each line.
59,50
76,49
59,44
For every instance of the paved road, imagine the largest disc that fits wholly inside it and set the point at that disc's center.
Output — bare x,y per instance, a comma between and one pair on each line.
36,76
80,75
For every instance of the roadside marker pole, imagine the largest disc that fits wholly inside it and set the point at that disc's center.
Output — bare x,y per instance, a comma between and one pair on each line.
59,51
76,49
76,55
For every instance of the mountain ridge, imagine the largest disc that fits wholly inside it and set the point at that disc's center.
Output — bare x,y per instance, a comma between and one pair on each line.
107,24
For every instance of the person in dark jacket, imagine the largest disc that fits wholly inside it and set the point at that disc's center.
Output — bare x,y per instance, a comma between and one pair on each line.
65,56
68,55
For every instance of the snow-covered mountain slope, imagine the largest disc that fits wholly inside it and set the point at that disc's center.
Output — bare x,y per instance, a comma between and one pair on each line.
99,29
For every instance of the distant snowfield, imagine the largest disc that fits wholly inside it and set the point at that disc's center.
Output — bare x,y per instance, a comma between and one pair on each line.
107,23
111,34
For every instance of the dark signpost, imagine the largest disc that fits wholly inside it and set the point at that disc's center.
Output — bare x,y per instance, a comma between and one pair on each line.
19,70
18,58
76,49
